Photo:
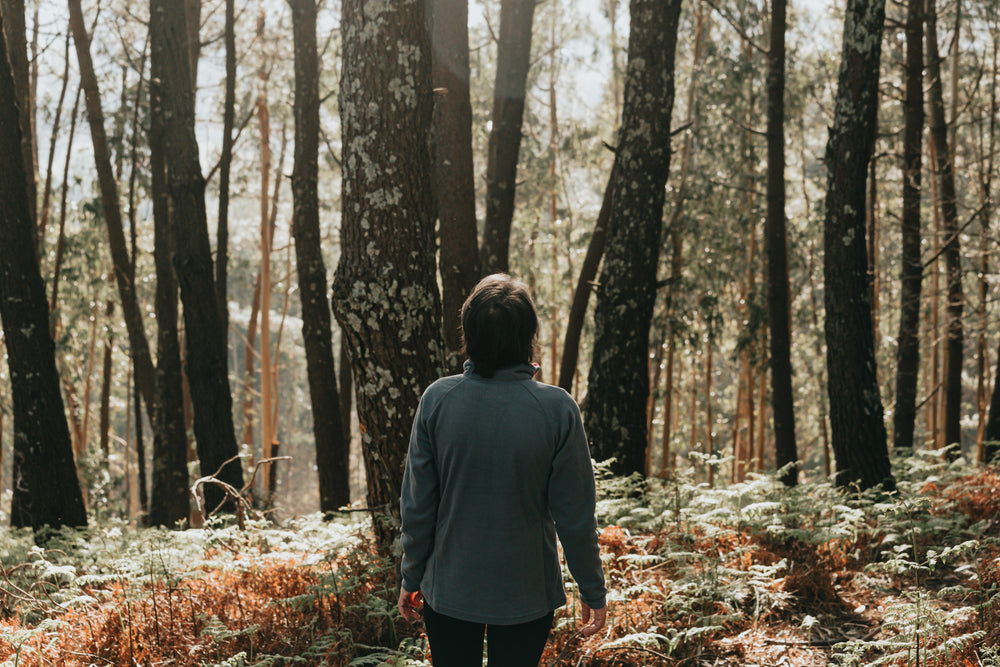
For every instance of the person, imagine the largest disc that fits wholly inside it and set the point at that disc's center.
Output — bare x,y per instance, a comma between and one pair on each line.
498,465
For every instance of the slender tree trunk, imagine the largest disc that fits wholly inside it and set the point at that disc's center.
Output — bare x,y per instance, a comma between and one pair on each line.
249,354
225,165
986,162
858,432
131,312
140,453
206,358
454,187
267,431
46,489
87,379
385,294
509,92
43,218
676,262
332,449
952,252
782,398
105,408
584,285
618,380
61,238
935,400
911,264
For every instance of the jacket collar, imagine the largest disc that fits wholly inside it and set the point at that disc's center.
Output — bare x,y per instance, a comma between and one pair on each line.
505,374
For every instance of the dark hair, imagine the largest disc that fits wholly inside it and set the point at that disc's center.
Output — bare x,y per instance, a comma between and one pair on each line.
499,323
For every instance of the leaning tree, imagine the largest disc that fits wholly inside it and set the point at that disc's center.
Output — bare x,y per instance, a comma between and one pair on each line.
618,384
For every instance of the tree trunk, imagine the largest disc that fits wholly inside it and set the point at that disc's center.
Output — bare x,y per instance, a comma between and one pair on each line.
267,430
509,92
17,51
584,285
618,381
170,501
46,489
779,320
131,312
986,164
952,251
676,263
225,165
332,449
105,408
857,429
206,354
43,217
385,294
454,187
911,264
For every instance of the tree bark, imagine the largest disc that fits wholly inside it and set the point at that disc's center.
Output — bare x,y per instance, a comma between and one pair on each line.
17,51
509,92
385,294
454,187
618,381
46,489
952,250
911,263
170,501
105,408
332,450
779,320
857,430
225,165
206,354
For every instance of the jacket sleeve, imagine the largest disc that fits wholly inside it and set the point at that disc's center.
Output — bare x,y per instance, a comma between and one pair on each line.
572,501
418,501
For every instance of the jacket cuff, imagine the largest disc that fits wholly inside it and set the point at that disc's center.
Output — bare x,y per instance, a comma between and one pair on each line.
409,585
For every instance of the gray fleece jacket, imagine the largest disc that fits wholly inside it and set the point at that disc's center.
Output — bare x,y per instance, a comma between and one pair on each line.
496,468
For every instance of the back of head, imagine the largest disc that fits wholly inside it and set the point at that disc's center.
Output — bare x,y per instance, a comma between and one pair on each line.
499,323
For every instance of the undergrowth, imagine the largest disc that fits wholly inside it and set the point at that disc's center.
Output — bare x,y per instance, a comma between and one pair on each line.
752,573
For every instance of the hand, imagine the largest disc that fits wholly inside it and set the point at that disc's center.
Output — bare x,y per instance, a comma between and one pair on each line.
409,604
592,626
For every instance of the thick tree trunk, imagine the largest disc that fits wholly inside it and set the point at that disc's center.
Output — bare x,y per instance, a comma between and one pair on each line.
952,251
618,382
454,187
170,501
46,489
858,432
385,294
17,51
779,320
911,264
509,92
332,449
206,354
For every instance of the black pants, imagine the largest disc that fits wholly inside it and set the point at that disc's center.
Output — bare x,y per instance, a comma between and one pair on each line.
456,643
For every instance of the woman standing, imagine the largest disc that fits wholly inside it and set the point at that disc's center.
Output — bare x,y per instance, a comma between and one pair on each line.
498,466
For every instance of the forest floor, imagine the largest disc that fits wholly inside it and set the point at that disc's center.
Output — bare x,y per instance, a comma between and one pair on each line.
749,574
